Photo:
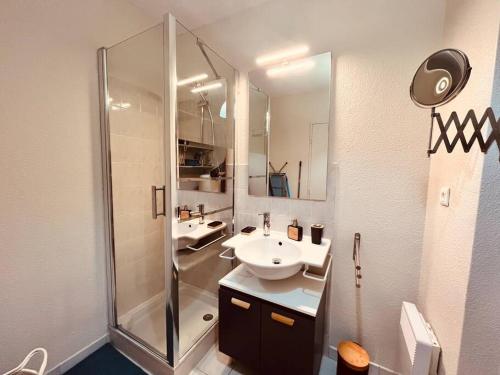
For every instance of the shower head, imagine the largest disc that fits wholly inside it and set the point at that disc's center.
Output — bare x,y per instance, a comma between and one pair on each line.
203,101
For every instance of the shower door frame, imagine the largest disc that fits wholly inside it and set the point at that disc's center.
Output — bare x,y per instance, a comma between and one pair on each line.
144,354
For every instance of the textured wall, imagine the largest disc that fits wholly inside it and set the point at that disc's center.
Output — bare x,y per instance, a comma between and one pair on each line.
378,169
461,242
481,327
375,187
52,272
379,143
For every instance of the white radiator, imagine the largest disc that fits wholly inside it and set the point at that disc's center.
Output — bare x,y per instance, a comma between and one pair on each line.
419,349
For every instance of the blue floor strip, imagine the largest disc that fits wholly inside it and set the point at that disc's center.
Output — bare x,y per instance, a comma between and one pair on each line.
105,361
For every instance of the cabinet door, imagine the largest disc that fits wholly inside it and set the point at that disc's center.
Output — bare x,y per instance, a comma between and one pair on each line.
287,343
239,327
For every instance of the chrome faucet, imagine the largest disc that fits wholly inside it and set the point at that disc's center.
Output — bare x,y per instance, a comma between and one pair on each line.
201,212
194,214
267,223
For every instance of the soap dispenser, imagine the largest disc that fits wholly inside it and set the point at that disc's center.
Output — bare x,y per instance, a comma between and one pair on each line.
295,231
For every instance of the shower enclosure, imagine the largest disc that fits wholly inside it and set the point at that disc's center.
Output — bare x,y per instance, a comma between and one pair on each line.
167,131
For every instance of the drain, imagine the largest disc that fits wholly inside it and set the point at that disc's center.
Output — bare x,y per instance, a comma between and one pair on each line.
207,317
276,261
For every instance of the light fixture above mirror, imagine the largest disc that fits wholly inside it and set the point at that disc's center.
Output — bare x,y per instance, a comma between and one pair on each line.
193,79
282,55
208,86
290,67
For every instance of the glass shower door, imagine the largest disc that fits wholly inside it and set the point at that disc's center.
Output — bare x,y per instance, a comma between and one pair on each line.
166,144
137,147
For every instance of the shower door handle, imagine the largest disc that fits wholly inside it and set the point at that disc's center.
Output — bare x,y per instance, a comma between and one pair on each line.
154,205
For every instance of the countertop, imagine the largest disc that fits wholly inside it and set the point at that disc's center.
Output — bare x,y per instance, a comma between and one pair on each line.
297,292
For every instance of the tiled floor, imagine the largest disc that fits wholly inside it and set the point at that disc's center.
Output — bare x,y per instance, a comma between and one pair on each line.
108,361
217,363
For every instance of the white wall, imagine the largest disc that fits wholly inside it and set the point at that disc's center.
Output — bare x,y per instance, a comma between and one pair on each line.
460,250
52,269
378,169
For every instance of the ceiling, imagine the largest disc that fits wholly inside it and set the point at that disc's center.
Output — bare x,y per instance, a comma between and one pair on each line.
241,30
196,13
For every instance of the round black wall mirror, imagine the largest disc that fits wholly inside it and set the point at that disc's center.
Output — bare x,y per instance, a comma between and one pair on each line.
440,78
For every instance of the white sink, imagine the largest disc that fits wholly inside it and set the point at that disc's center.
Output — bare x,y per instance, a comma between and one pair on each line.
270,257
182,229
193,230
276,257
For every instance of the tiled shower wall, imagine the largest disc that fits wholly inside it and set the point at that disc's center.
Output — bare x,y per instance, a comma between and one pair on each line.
137,164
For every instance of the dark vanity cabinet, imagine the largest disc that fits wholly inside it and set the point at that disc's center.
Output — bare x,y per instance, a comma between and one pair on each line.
269,338
239,329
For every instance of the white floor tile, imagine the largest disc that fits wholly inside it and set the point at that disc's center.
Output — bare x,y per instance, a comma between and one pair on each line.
215,362
328,366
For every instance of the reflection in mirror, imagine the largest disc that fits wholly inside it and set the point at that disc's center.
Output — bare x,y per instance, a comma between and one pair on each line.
204,128
258,141
289,108
204,166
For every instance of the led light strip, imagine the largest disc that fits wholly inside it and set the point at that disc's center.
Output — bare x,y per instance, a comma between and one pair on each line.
209,86
290,67
196,78
282,55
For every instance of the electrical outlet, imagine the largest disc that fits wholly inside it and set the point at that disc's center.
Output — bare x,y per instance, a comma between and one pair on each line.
444,197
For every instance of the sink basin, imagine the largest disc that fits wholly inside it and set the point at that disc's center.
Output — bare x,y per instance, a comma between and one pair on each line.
271,258
276,257
193,230
180,230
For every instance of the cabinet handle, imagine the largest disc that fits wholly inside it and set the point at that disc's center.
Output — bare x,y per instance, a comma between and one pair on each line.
240,303
282,319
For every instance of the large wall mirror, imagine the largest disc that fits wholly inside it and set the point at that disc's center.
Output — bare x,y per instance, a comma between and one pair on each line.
289,119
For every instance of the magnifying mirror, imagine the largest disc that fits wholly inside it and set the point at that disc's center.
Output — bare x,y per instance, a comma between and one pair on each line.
440,78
